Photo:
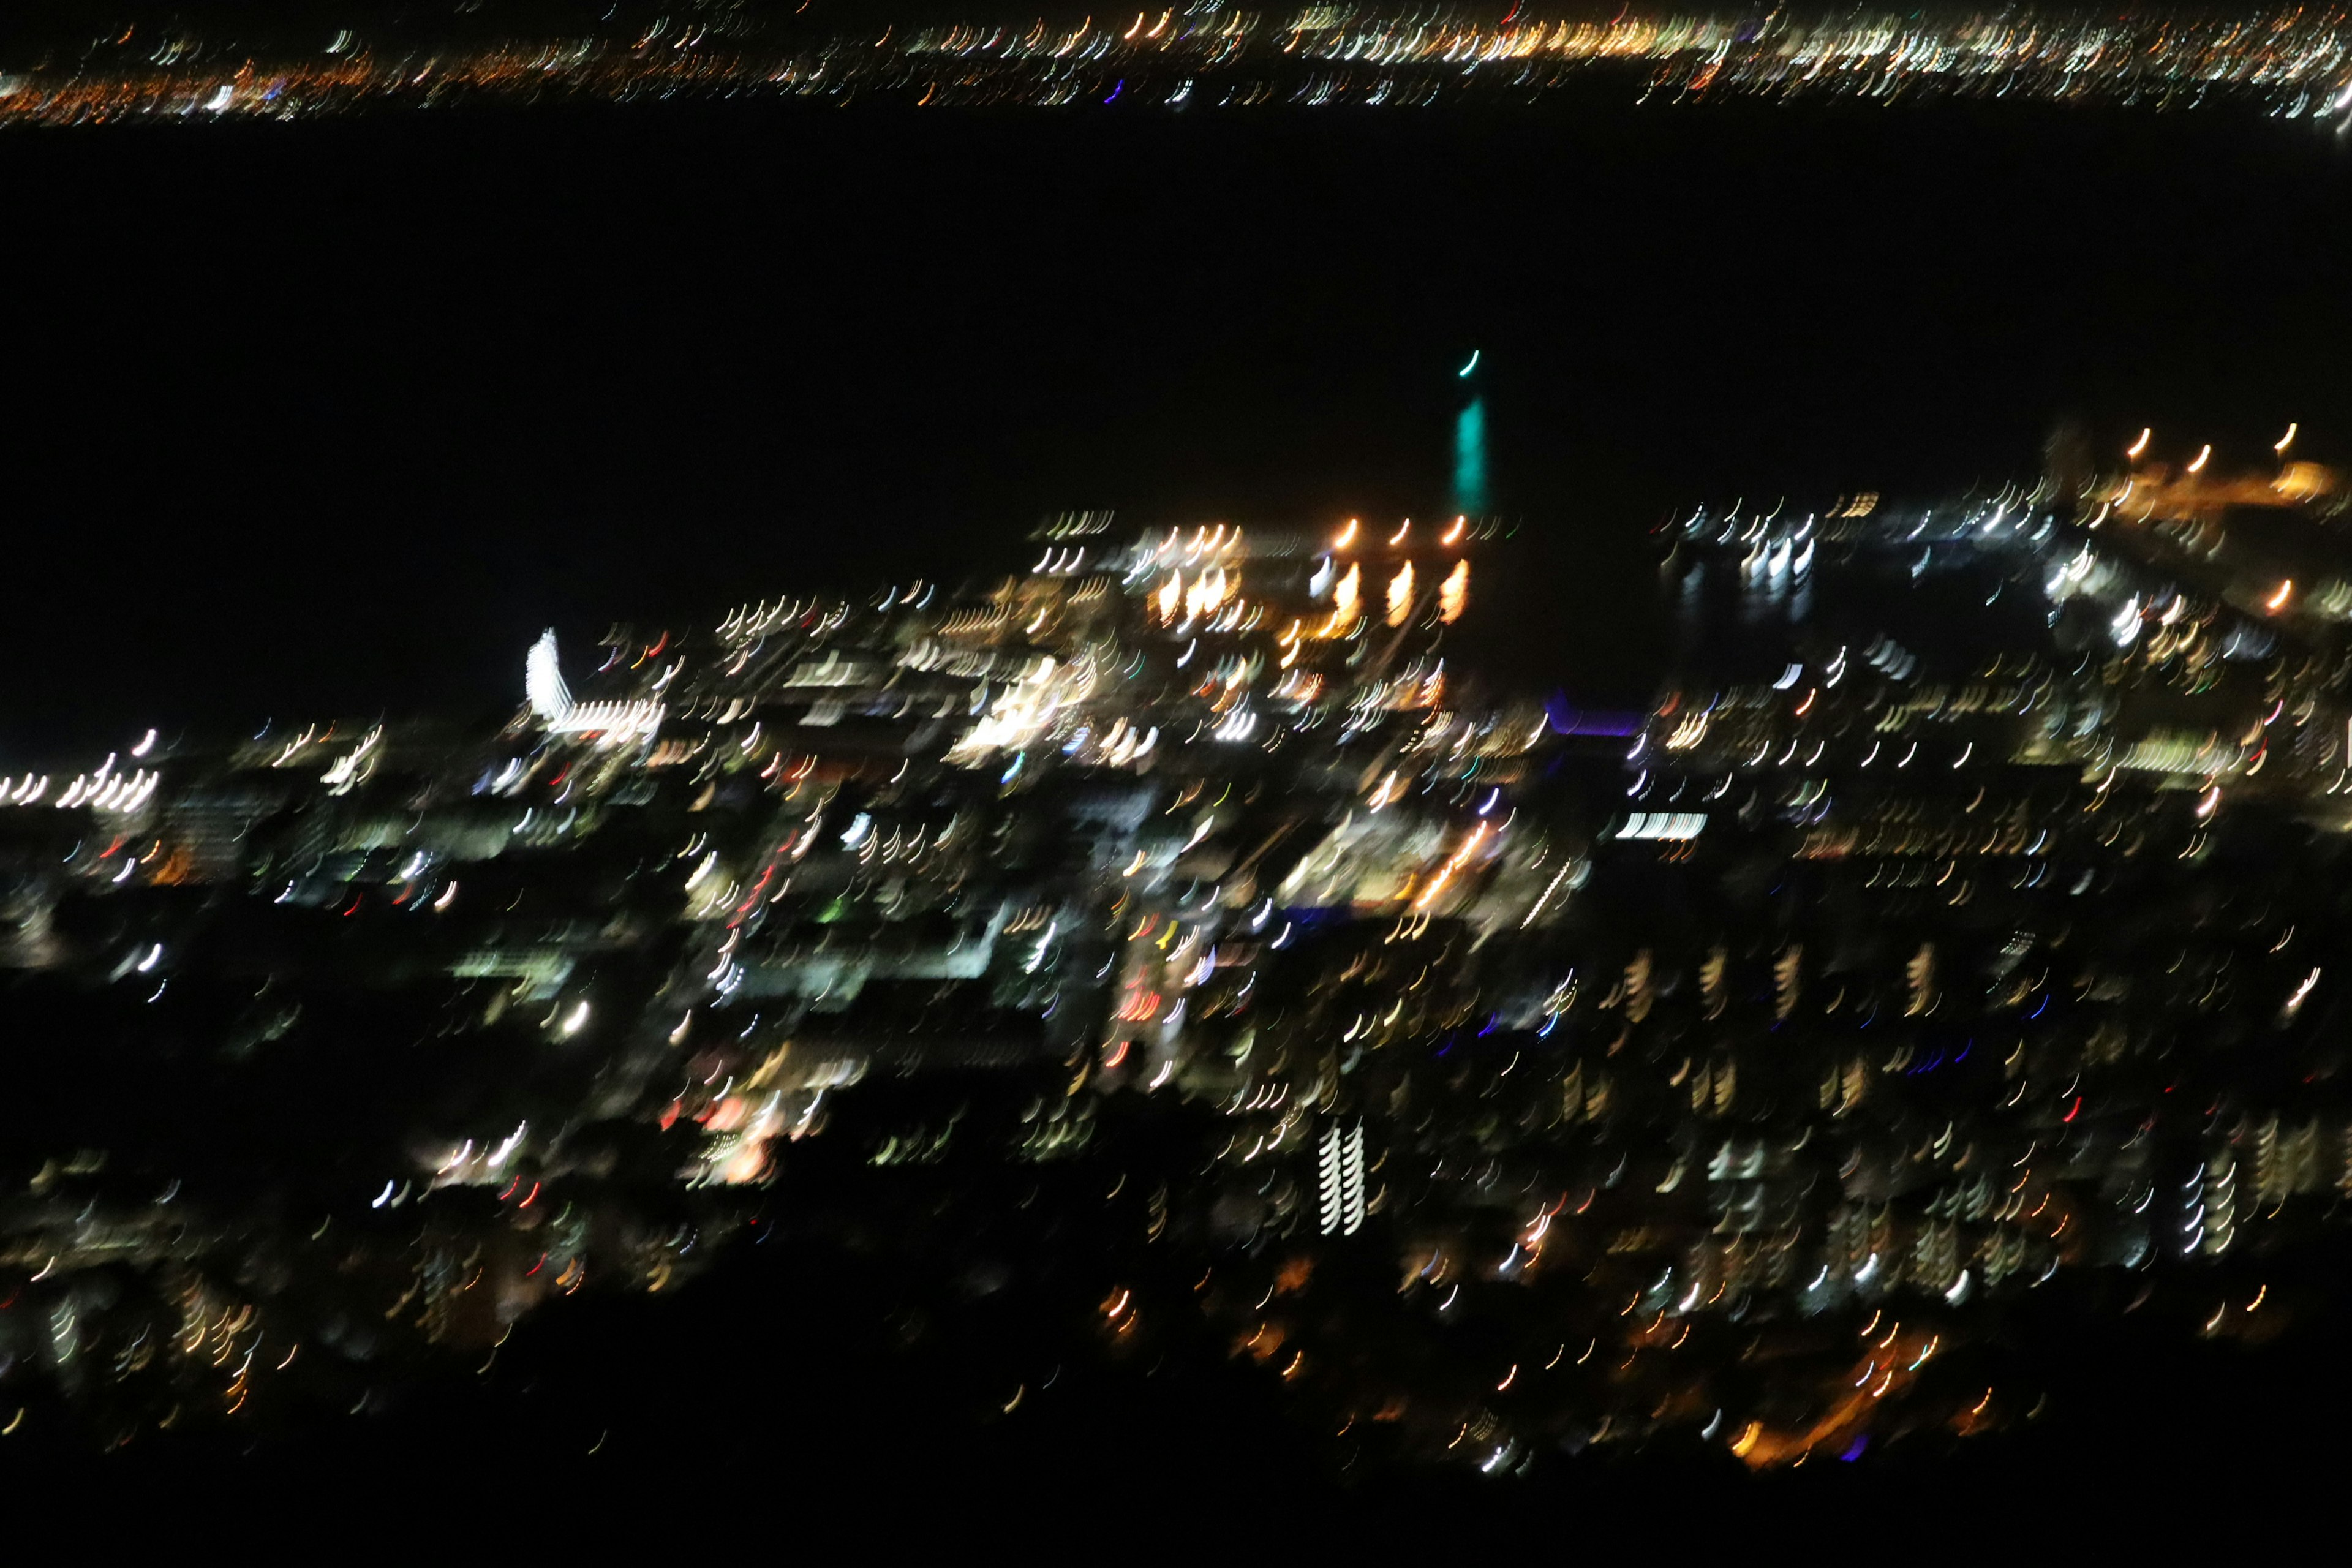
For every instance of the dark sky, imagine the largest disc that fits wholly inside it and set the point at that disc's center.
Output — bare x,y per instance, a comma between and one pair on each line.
333,416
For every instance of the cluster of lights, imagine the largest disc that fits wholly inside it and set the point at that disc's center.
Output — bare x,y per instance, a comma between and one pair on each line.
2296,63
1413,883
104,788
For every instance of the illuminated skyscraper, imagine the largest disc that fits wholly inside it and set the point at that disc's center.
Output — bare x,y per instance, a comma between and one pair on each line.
1339,1166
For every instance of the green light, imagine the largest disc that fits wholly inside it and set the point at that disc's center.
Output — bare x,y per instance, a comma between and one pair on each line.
1464,372
1470,457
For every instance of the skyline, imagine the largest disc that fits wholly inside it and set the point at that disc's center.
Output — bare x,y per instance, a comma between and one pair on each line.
813,898
779,754
2292,63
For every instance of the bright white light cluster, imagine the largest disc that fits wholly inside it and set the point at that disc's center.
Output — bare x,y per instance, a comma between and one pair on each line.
344,773
610,723
1664,824
1026,711
102,789
109,791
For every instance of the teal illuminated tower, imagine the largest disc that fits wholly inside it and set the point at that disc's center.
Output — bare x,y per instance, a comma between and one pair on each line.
1470,444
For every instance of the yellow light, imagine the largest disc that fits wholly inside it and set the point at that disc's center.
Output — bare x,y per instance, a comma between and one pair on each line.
1345,595
1347,536
1453,535
2277,601
2283,442
1454,593
2136,447
1445,873
1209,590
2204,455
1401,594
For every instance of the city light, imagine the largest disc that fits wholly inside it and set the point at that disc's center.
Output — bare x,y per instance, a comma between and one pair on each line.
2291,63
1169,825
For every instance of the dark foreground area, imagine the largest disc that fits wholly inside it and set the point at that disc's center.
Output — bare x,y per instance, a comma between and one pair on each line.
796,1386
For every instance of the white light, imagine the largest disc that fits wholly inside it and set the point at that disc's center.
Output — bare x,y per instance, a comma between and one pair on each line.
1664,824
2302,991
1238,725
1045,942
500,1156
543,679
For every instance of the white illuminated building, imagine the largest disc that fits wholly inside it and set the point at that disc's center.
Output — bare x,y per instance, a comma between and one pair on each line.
1341,1170
610,723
